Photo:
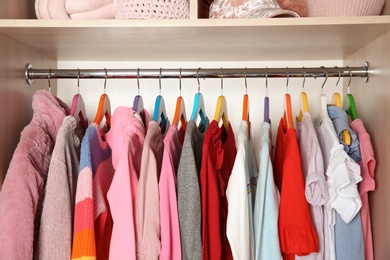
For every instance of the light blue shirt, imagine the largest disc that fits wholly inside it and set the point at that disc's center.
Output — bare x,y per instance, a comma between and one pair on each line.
266,209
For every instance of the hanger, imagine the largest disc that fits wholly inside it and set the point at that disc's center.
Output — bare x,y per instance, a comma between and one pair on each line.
180,111
221,109
48,78
138,103
104,107
336,101
78,108
288,108
199,107
245,110
349,102
160,114
266,99
323,111
304,104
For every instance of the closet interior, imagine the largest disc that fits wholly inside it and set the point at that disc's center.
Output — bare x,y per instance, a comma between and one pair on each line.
204,43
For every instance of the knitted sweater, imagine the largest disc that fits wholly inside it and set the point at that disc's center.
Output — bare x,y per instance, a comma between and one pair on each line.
23,189
93,221
55,235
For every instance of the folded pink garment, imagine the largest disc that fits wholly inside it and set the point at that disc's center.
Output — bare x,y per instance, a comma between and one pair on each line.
57,9
77,6
104,12
41,9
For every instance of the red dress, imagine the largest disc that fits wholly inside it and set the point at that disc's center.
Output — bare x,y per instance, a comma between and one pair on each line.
296,232
219,152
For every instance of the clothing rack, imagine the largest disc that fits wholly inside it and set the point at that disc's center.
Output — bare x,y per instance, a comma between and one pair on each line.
199,73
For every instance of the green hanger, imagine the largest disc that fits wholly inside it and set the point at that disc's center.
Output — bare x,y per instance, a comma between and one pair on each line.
350,107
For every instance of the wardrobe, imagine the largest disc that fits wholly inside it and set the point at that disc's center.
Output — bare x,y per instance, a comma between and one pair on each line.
193,43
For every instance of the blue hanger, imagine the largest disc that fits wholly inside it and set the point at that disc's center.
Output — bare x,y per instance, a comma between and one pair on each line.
198,108
160,114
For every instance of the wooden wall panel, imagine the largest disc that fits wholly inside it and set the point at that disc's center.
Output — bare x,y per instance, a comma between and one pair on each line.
16,94
373,107
17,9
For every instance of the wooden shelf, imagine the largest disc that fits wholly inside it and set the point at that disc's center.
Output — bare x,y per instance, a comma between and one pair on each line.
199,39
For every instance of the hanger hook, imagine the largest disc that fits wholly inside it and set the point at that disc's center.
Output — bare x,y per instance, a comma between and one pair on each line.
197,78
105,80
221,81
180,81
326,77
138,80
288,77
246,83
350,79
304,77
78,81
159,81
48,78
266,81
339,74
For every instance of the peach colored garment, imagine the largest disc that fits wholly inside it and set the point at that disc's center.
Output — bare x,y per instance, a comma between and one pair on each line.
170,232
147,201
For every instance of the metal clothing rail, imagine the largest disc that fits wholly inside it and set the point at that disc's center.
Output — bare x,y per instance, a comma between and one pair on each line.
199,73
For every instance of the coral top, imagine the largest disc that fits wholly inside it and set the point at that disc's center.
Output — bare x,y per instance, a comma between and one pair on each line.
296,232
219,152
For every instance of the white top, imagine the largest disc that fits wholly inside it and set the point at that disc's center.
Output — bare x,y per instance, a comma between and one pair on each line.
266,209
239,227
343,174
316,188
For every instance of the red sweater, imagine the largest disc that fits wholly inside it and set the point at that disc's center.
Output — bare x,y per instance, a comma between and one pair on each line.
296,232
219,152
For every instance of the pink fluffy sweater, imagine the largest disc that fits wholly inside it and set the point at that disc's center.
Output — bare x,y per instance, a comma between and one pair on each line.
23,189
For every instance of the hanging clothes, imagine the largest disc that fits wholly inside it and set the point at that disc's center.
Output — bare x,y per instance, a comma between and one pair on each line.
126,138
22,192
316,189
239,225
266,207
93,221
219,151
169,219
296,232
348,236
367,167
340,122
147,200
188,191
55,235
342,175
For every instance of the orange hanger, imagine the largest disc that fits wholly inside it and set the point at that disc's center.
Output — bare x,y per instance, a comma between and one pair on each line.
245,108
104,107
287,107
180,111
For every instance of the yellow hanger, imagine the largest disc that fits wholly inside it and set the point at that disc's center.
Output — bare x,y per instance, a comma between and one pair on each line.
104,107
304,104
221,109
336,101
180,111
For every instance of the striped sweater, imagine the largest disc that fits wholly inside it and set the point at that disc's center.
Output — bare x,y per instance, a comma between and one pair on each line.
93,221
